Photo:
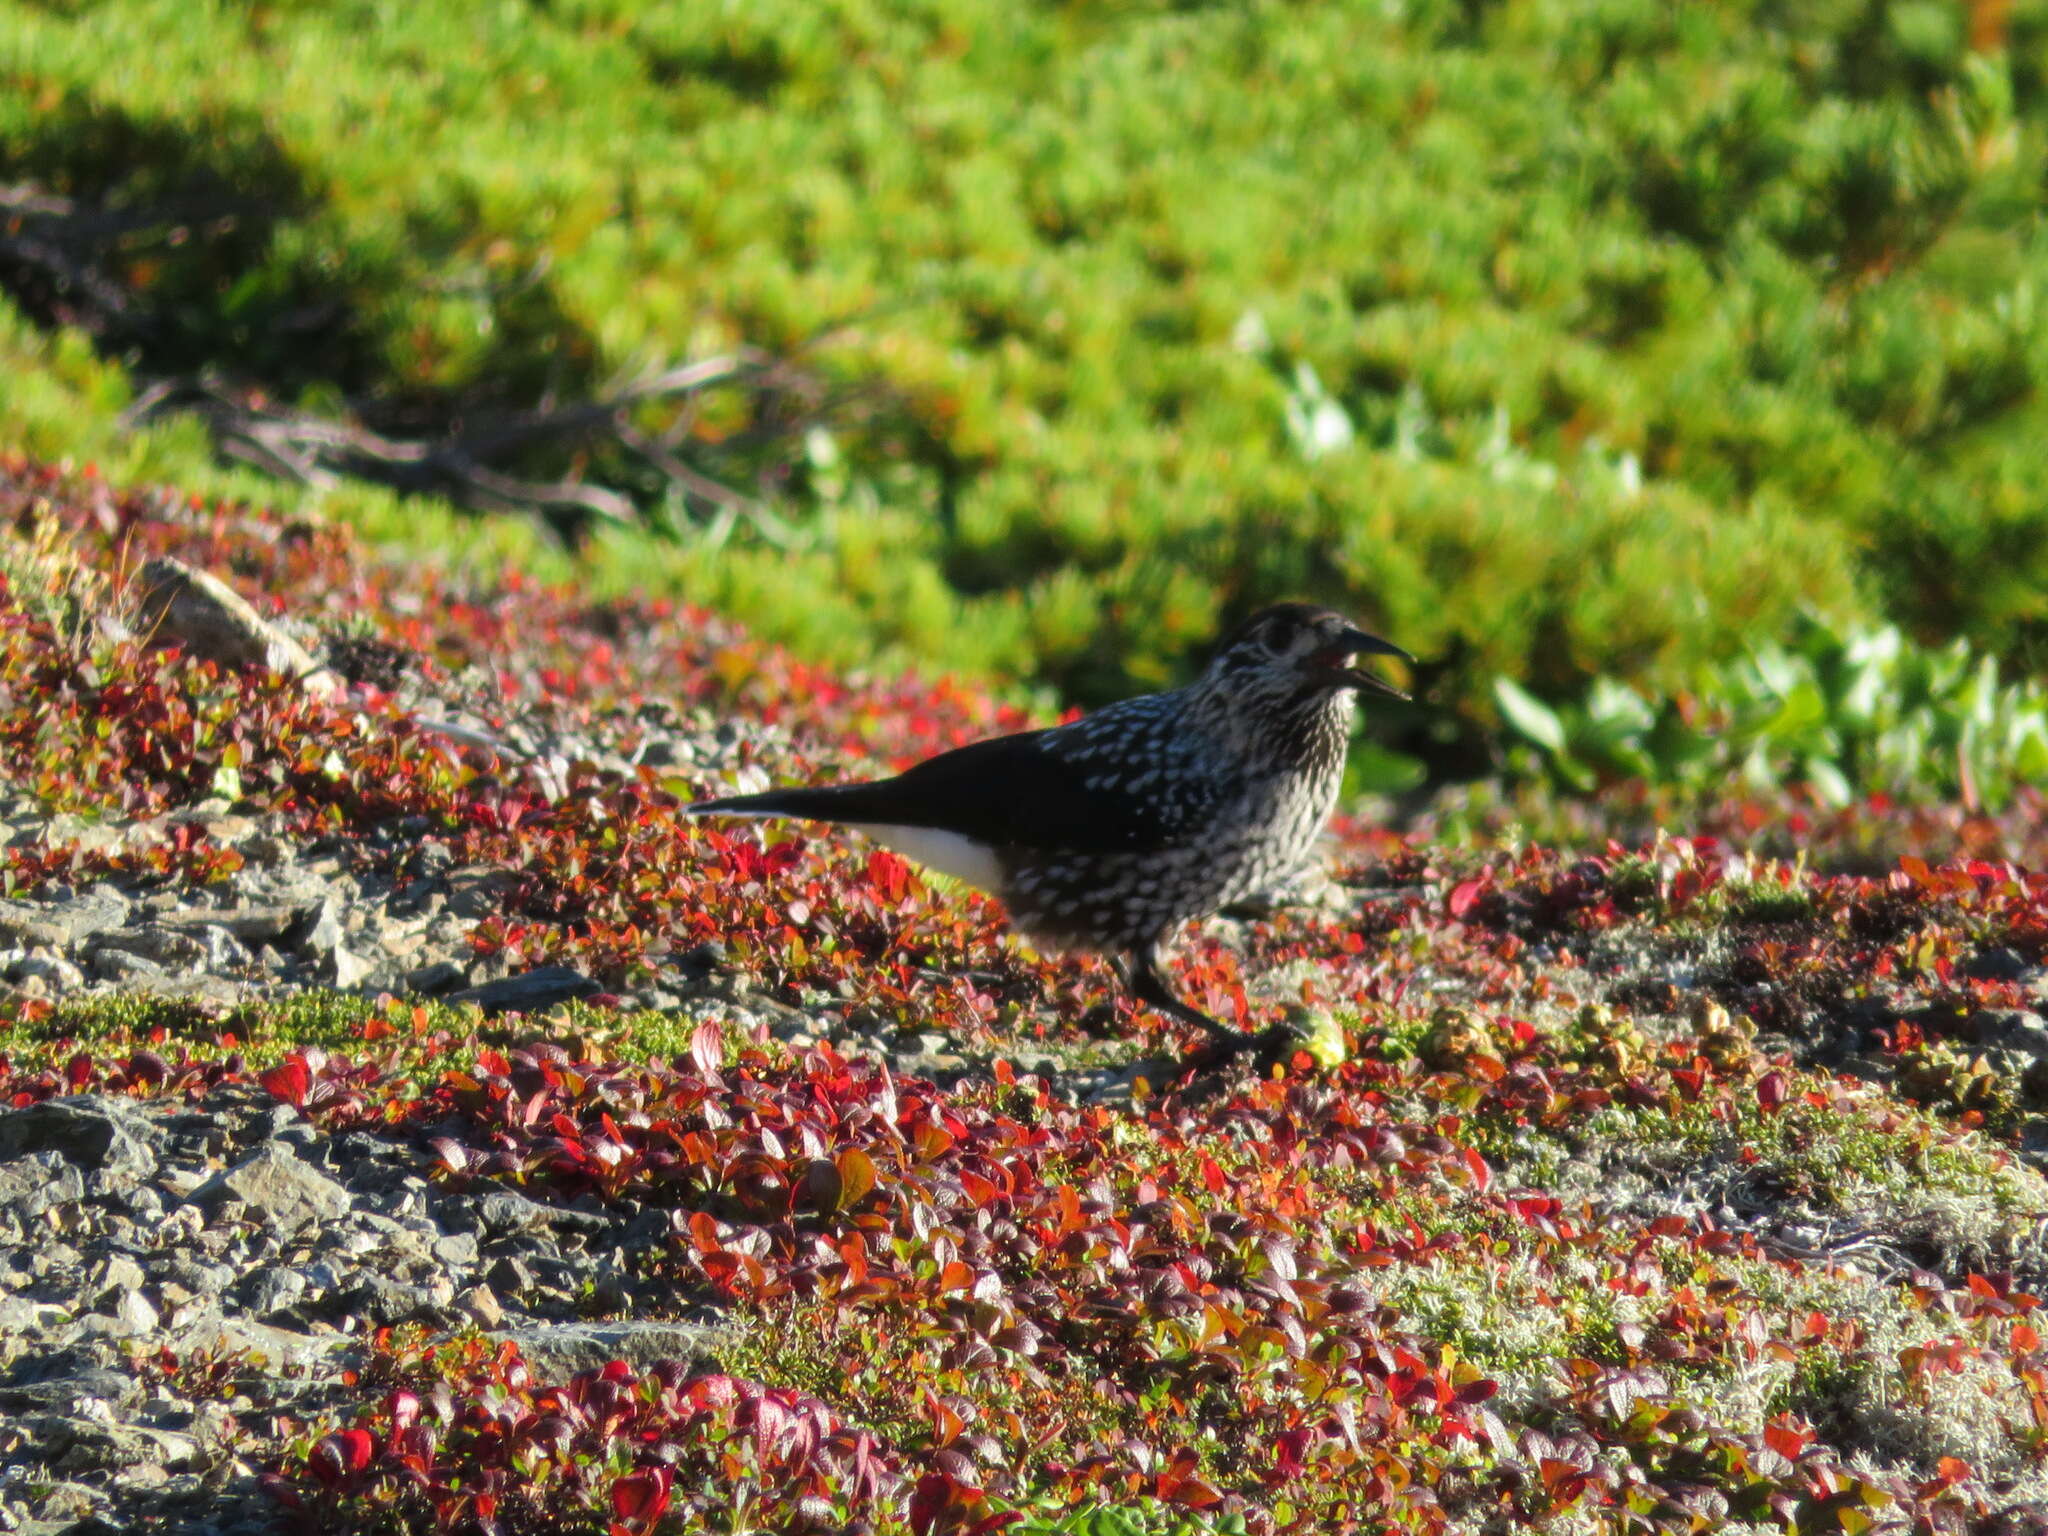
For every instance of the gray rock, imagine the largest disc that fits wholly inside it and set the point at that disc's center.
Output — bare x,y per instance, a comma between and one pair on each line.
557,1351
124,969
33,1184
93,1130
530,991
251,924
67,1383
170,948
381,1299
434,977
61,924
277,1188
505,1211
346,969
271,1289
58,973
323,934
198,611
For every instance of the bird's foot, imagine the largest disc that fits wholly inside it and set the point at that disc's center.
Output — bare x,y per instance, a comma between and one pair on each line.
1267,1049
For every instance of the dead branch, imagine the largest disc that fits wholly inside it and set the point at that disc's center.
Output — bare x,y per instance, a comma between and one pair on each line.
478,455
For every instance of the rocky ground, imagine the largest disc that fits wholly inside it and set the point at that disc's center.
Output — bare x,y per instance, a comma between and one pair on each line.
1649,1176
155,1255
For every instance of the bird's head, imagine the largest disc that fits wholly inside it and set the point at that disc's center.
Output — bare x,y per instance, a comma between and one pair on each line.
1298,648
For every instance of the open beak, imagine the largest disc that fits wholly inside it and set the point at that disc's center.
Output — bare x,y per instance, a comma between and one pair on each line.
1330,662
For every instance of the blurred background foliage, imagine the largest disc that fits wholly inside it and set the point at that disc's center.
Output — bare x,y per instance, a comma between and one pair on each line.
1680,364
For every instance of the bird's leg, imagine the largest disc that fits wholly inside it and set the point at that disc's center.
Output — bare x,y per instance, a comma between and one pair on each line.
1141,975
1148,986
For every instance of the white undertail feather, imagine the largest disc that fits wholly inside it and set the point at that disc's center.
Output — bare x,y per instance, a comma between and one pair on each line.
947,852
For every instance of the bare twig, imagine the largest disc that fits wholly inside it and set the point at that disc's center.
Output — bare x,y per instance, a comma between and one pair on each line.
477,457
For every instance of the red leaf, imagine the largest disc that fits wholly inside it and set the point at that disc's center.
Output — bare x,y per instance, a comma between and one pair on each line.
357,1448
707,1048
1465,896
340,1456
403,1407
857,1176
934,1492
1786,1440
1476,1166
1770,1092
643,1496
1212,1176
288,1080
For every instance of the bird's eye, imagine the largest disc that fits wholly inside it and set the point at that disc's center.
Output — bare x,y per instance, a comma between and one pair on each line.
1280,636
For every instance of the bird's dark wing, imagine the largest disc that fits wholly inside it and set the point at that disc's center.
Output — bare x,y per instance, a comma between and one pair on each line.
1041,789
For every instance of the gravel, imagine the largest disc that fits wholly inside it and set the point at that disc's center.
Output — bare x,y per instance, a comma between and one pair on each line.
128,1228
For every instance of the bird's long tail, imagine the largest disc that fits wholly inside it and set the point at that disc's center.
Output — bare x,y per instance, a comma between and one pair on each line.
835,802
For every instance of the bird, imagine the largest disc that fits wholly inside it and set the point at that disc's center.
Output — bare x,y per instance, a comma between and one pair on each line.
1110,833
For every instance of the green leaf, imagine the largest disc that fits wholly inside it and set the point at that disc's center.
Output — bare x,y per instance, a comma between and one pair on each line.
1529,715
1374,770
1828,781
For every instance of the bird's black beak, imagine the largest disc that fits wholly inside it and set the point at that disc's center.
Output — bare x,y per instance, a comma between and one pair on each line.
1329,662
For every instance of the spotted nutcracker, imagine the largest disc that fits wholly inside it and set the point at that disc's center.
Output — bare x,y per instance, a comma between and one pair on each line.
1110,833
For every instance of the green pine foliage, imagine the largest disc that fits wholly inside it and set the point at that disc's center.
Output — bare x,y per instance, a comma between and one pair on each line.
1557,339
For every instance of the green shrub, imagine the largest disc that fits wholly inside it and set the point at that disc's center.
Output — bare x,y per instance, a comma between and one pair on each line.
1560,340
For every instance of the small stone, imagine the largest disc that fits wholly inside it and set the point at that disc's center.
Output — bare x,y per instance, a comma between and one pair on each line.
347,969
455,1250
275,1289
133,1311
323,935
31,1185
278,1187
438,976
480,1306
